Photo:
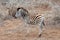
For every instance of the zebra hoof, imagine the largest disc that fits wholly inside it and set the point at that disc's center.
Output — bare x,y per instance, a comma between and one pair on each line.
40,35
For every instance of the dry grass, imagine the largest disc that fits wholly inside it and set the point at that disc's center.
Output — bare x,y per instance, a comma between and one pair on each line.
17,29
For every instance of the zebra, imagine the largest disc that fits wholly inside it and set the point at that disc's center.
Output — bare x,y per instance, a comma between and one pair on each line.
29,18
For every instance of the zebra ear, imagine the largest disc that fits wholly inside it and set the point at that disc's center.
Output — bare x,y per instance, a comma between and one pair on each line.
18,9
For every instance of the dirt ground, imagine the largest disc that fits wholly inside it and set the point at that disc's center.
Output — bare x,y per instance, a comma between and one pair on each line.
16,30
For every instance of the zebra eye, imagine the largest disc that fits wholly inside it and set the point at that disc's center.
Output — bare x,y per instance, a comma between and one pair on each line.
23,14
